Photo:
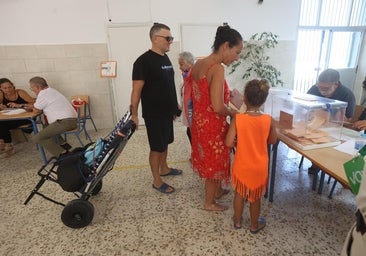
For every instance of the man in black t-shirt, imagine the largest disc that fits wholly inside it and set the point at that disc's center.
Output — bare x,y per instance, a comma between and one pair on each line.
153,84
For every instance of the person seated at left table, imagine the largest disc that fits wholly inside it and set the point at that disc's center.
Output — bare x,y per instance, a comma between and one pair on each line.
10,97
61,116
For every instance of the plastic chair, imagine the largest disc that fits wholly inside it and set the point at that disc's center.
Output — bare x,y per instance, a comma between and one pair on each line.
86,99
81,128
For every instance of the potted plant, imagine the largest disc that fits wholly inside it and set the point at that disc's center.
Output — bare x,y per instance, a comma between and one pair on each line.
254,61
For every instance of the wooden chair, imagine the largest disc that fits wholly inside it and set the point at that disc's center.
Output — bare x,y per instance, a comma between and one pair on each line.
87,113
81,125
358,111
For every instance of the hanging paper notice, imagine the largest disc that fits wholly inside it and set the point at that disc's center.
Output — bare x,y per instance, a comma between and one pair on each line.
108,68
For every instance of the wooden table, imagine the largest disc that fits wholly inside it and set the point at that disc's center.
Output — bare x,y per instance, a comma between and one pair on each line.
26,116
328,159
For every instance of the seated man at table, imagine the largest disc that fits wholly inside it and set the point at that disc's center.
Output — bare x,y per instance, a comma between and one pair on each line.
11,98
61,116
329,86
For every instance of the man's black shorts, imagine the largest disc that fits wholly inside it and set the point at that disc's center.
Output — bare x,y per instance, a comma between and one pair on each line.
159,132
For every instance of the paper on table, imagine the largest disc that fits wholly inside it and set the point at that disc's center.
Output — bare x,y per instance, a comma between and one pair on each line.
348,134
347,147
236,98
13,111
306,97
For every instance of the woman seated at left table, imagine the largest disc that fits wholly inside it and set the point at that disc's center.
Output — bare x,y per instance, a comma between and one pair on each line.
11,98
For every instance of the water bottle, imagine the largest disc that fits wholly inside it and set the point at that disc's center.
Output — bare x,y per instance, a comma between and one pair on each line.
360,141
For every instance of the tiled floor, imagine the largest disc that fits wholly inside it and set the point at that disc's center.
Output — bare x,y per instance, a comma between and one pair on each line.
133,219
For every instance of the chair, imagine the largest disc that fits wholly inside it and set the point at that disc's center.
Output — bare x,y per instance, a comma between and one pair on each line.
81,110
88,116
357,114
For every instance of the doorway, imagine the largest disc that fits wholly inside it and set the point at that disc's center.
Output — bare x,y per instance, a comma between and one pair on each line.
126,43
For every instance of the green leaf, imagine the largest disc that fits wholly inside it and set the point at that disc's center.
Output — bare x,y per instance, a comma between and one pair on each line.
253,60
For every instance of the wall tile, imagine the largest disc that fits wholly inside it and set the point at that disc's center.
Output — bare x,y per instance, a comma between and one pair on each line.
68,64
21,80
91,63
50,51
21,52
39,65
80,50
3,52
12,66
100,50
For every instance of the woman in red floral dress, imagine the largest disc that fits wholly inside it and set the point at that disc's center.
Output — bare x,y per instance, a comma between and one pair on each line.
210,96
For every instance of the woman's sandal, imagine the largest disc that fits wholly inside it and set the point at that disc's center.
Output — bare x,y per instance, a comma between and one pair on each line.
173,172
261,224
164,188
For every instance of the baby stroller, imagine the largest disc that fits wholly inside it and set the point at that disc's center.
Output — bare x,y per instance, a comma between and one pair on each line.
82,170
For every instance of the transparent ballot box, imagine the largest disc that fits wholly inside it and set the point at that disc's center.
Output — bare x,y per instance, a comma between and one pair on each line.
274,91
308,121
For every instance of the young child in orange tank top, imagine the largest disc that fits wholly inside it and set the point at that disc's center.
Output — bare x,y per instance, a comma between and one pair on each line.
250,133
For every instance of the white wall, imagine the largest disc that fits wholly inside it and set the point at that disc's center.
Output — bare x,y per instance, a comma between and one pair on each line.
27,22
85,22
24,22
58,24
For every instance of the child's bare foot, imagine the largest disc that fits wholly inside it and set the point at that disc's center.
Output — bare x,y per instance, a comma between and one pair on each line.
237,224
221,193
216,207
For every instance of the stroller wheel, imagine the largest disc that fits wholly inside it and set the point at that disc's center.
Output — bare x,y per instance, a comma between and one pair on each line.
97,188
77,213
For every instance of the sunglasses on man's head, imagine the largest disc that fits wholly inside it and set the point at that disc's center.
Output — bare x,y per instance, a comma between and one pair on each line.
167,38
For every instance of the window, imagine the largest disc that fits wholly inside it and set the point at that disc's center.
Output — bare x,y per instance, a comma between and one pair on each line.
329,36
